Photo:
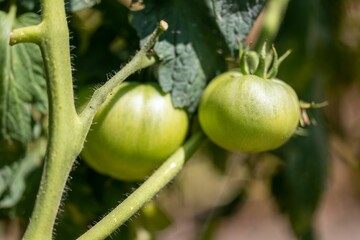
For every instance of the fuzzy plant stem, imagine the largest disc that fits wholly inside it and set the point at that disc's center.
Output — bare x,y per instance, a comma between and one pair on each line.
139,61
53,38
158,180
67,130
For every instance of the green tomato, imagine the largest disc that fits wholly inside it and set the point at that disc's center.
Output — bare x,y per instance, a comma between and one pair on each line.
134,131
245,113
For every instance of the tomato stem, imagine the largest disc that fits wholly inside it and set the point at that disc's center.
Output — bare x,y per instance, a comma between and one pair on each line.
139,61
26,34
134,202
63,145
67,130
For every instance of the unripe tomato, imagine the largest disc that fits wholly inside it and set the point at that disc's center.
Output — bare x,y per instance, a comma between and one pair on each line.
247,113
134,131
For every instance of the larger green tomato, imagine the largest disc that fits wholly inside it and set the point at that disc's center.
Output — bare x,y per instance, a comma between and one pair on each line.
134,131
247,113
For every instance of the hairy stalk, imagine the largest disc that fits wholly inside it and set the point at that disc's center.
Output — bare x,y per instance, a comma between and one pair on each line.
53,38
67,131
158,180
138,62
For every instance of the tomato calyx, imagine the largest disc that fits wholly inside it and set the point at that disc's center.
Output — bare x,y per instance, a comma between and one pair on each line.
265,64
262,64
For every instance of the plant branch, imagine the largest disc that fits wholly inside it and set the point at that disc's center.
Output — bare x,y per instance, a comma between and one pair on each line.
26,34
67,130
64,144
160,178
138,62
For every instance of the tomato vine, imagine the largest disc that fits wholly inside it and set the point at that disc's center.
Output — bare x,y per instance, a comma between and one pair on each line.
67,130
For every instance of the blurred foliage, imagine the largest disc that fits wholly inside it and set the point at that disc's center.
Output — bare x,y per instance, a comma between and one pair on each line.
23,90
77,5
13,176
300,182
23,102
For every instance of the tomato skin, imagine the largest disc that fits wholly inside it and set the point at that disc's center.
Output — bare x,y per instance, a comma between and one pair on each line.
245,113
134,131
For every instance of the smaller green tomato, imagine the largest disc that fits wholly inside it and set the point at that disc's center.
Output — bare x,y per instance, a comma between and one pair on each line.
134,131
246,113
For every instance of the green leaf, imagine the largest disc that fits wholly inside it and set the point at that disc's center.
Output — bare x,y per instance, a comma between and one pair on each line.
76,5
235,19
29,4
13,176
300,184
190,49
194,47
22,82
